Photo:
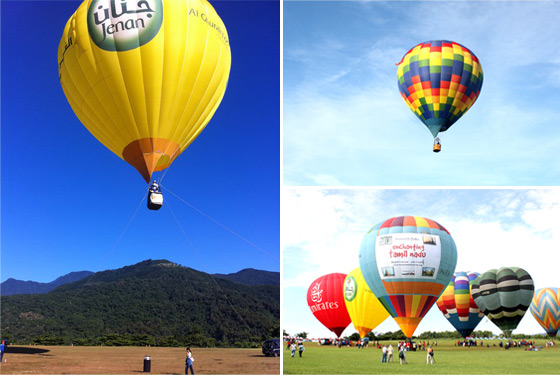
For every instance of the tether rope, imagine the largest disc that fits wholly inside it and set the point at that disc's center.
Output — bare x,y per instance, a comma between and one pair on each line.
211,276
222,225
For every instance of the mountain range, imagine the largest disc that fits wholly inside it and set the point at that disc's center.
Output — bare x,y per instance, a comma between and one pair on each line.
154,302
248,276
13,286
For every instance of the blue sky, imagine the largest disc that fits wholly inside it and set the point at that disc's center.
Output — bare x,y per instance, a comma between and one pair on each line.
345,124
322,230
69,204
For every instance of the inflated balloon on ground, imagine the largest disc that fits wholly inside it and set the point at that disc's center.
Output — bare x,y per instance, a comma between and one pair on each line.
363,306
325,298
545,307
504,295
407,261
457,305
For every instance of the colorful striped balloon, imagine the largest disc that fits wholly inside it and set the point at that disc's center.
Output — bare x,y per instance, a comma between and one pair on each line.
457,305
504,295
407,262
545,307
439,80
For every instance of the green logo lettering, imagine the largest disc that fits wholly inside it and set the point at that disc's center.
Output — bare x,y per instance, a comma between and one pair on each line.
122,25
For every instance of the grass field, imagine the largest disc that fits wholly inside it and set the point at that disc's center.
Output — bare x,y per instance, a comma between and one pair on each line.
449,360
130,360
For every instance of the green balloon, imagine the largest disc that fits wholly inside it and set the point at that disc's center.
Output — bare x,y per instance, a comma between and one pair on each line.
504,295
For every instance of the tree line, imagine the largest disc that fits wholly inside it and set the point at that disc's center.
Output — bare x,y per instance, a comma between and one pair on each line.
152,303
427,335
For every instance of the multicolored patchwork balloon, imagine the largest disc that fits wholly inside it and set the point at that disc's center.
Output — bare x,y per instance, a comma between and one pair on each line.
439,80
504,295
325,298
546,309
407,261
363,306
457,305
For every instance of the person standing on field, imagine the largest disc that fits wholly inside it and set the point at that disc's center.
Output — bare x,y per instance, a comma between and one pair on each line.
301,348
293,349
430,356
189,362
390,353
384,357
402,356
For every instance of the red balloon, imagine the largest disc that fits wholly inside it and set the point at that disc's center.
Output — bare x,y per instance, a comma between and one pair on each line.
325,298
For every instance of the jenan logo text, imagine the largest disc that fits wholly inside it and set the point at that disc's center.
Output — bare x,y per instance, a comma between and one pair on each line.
124,25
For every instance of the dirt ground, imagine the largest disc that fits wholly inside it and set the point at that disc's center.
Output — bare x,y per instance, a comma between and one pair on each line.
130,360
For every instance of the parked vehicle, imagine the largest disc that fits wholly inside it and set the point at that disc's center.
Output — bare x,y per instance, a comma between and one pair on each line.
271,348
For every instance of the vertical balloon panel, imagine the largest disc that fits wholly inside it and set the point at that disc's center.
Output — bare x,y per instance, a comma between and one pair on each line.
407,262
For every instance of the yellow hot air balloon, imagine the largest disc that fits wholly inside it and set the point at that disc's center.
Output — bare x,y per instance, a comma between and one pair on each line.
145,77
363,306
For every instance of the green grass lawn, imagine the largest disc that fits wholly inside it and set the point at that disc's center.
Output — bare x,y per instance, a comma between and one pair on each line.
449,360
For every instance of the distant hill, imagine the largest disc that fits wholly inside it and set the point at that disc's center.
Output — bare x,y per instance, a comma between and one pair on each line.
154,302
13,286
251,276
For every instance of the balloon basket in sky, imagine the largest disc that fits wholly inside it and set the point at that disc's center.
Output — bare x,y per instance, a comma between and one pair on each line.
144,77
439,81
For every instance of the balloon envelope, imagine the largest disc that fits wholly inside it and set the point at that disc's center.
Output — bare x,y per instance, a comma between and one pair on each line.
504,295
364,308
457,305
144,77
439,80
407,262
325,298
545,307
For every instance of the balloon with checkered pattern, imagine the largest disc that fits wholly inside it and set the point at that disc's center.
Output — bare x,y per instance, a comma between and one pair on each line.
439,81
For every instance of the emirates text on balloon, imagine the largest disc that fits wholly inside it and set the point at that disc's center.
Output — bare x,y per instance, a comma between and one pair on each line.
324,306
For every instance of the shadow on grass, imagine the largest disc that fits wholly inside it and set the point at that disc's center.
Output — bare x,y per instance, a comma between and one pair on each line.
25,350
